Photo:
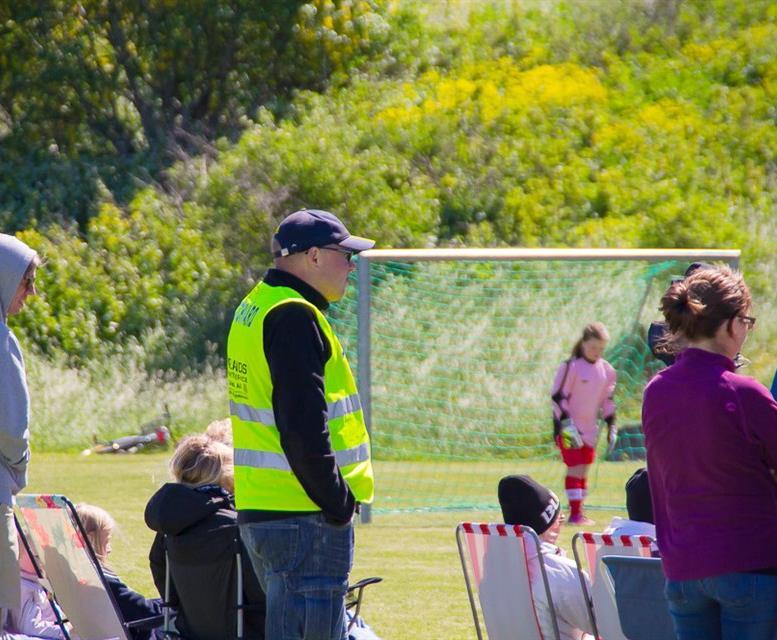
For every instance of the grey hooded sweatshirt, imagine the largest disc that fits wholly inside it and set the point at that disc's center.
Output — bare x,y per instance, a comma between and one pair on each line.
15,257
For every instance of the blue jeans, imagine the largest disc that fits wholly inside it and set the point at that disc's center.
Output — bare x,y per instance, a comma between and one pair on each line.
732,606
302,564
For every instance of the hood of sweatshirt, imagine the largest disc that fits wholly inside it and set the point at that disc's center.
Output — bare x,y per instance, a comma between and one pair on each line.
176,507
15,257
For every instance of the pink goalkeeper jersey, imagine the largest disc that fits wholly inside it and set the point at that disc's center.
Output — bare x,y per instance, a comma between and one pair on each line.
588,389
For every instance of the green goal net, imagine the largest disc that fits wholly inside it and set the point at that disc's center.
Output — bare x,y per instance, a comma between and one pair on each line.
463,354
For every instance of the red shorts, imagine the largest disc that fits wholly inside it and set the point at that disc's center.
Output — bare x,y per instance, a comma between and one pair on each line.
576,457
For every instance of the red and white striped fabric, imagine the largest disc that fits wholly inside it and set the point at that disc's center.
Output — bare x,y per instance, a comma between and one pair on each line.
492,529
608,540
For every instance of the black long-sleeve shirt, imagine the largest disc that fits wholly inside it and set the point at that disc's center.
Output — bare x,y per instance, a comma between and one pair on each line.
297,351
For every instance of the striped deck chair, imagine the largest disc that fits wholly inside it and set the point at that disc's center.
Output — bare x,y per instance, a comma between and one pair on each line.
601,600
58,543
495,563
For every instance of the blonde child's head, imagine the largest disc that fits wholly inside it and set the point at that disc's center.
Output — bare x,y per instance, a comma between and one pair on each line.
99,526
199,460
220,430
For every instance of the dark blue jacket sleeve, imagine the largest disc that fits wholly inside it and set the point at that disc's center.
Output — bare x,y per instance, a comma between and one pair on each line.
133,606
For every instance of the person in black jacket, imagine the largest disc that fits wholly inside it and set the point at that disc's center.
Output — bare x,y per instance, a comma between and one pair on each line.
195,519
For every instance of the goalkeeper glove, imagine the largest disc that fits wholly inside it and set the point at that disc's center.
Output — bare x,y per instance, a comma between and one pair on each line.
612,437
558,422
570,436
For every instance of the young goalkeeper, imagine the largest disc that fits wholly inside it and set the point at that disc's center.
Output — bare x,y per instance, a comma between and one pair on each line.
582,390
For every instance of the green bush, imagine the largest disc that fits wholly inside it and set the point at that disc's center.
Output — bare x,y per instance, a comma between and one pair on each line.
154,274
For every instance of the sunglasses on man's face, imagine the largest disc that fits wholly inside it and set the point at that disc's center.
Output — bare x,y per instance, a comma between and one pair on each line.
348,254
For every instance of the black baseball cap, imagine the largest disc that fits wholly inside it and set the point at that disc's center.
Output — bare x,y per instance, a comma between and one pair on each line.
301,230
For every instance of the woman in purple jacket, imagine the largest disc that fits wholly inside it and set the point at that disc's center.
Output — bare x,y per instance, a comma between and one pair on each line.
711,437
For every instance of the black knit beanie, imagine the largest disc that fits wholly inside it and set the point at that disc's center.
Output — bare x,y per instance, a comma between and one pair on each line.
638,502
527,502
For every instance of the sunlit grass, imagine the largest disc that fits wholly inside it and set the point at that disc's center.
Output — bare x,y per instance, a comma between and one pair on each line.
415,553
71,407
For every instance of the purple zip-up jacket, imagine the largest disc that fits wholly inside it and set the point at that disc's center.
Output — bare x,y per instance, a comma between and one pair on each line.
711,438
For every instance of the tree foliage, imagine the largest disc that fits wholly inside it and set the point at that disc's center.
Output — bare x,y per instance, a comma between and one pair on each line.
152,274
99,88
598,123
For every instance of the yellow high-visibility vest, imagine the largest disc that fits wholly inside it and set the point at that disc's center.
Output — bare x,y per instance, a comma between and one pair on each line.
263,478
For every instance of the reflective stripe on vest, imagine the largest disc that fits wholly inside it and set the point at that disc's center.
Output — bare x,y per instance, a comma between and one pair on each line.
337,409
269,460
264,479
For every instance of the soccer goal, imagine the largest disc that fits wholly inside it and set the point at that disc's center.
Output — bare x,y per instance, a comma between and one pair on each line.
455,351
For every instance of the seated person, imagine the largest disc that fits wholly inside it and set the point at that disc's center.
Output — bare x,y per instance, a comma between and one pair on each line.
195,519
99,526
528,503
35,617
638,507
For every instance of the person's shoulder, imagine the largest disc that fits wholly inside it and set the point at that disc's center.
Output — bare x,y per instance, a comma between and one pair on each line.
563,366
626,527
292,316
571,364
658,380
746,386
607,366
560,568
292,308
112,578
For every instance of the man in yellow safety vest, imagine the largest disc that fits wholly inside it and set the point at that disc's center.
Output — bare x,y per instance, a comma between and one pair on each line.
302,453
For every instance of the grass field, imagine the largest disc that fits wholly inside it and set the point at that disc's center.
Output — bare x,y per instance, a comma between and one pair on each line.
423,591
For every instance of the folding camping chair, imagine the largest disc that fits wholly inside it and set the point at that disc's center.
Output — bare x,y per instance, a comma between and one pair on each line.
61,551
639,593
601,600
502,577
207,621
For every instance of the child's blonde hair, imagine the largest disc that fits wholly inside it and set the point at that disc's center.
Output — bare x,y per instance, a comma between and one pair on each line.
99,526
220,430
199,460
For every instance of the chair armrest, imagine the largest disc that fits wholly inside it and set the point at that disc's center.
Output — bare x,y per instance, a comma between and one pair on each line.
366,582
146,623
355,593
